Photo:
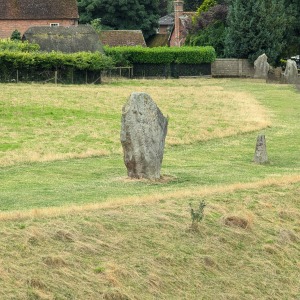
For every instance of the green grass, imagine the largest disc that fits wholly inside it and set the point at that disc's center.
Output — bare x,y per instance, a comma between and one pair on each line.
72,226
149,251
219,161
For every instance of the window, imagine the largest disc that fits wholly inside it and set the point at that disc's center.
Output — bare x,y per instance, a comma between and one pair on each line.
54,24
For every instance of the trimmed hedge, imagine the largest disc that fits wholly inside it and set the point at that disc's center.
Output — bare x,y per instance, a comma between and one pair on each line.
55,60
17,46
123,56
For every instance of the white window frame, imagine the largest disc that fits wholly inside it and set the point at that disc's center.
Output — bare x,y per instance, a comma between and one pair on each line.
54,24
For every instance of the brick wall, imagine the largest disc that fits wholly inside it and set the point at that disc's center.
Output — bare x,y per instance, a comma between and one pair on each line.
8,26
232,67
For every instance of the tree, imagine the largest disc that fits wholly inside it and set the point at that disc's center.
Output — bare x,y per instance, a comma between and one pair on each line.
292,34
256,27
192,5
208,28
16,35
122,14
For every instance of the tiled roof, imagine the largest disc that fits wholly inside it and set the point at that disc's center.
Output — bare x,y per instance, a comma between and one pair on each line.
158,40
122,38
38,9
166,20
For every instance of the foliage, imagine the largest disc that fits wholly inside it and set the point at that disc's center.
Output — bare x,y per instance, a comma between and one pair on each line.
96,24
198,214
205,6
55,60
16,35
192,5
254,28
212,35
17,46
162,55
216,13
208,28
292,34
123,14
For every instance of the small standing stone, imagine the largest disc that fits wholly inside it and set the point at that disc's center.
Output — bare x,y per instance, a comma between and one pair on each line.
291,72
260,156
143,133
261,67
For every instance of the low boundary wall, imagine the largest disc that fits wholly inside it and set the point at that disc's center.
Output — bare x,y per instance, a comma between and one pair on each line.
231,67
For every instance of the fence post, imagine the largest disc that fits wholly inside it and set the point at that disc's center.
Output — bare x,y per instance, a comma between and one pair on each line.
240,62
17,75
55,77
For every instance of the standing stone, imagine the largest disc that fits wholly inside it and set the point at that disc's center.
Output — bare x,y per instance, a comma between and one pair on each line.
260,156
143,133
261,67
291,72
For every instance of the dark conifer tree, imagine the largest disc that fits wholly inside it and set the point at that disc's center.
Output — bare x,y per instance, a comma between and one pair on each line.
256,27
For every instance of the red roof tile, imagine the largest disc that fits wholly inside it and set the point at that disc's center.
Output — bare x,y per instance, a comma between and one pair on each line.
38,9
122,38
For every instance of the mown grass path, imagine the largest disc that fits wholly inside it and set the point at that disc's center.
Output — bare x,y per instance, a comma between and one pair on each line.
216,162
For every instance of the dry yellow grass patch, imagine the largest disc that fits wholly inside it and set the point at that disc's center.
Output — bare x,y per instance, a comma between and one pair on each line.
147,251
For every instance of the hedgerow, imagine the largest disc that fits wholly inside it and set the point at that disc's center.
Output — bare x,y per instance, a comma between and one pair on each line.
18,46
161,55
55,60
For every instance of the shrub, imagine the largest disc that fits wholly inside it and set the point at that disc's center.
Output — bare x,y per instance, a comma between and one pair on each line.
55,60
17,46
16,35
161,55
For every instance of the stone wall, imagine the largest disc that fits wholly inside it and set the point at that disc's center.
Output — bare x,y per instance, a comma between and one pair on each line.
8,26
231,67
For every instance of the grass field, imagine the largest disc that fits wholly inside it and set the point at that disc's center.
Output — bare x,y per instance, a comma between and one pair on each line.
74,227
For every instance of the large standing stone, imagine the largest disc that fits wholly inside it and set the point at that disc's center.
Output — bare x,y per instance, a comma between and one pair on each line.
291,72
143,133
261,67
260,156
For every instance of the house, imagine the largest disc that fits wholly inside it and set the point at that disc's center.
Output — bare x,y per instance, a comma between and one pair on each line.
114,38
22,14
64,39
166,24
165,27
181,21
173,28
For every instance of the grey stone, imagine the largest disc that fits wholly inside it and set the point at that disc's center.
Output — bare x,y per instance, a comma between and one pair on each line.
291,72
261,67
260,156
143,133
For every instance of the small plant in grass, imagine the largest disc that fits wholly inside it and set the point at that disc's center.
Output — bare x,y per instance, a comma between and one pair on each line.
99,269
197,215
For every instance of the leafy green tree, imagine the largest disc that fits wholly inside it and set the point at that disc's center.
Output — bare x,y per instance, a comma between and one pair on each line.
256,27
122,14
208,27
205,6
16,35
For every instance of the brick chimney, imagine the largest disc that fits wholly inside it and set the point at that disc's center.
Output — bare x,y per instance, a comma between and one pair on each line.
178,12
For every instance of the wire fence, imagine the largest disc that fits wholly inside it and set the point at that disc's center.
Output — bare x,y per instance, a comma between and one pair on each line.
66,76
75,76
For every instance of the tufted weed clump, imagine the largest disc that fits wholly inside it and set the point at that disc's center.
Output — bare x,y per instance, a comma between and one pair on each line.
197,215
